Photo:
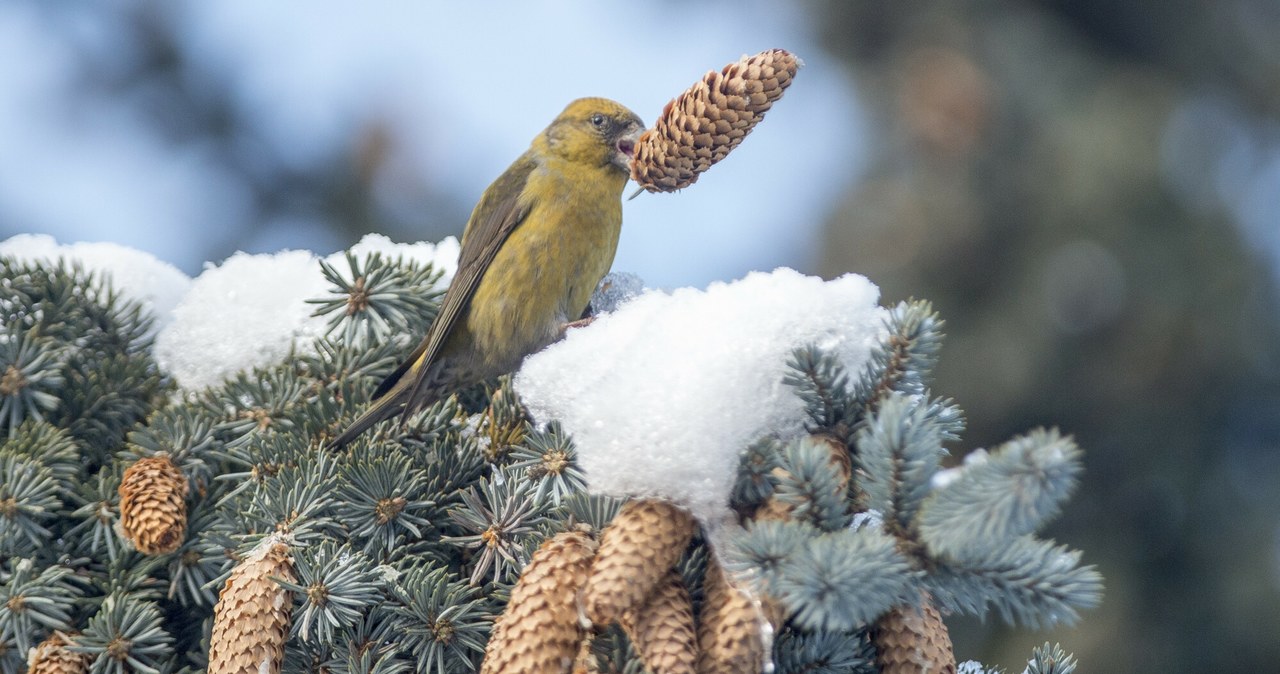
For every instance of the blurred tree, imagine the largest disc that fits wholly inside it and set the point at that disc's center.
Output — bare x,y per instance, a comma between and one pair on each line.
1018,184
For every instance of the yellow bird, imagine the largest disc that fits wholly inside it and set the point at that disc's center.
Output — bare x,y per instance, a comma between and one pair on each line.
536,245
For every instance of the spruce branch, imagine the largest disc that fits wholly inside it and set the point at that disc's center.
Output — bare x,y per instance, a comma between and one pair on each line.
824,652
549,458
197,563
441,623
756,477
126,635
96,513
1011,493
1048,659
904,361
183,434
503,424
335,586
1029,582
382,498
500,516
842,580
812,483
822,382
256,404
594,510
379,299
52,447
31,372
765,546
28,504
898,450
32,601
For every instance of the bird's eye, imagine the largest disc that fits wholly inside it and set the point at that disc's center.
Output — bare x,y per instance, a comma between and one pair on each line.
597,120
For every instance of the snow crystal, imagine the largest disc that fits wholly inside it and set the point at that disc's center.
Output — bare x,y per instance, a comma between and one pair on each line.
251,310
156,285
663,394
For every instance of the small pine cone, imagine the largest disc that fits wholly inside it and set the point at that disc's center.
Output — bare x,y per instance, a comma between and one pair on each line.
153,505
642,542
251,619
54,656
730,628
539,631
913,640
662,629
700,126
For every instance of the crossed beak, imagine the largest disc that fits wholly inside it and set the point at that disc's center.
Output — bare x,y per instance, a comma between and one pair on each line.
626,147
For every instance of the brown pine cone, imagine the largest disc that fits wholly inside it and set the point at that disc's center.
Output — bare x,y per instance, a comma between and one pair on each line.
153,505
251,619
662,629
54,656
730,628
700,126
637,549
539,631
913,640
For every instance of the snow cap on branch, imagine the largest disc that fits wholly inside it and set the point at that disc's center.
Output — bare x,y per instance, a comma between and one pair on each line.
662,395
158,286
252,309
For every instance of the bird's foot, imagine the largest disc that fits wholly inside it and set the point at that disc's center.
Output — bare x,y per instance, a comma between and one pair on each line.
580,323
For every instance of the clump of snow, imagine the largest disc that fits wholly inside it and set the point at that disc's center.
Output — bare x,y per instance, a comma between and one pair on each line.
247,312
663,394
157,286
868,519
442,255
251,310
943,478
615,289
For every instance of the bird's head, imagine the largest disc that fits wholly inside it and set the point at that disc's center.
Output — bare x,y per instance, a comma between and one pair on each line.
596,130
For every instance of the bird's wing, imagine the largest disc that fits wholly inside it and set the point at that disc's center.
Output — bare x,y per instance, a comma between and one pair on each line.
499,212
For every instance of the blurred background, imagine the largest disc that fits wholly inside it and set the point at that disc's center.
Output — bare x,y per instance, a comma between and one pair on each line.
1089,192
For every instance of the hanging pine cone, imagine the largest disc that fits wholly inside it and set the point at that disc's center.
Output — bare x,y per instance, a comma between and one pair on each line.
913,640
54,656
700,126
153,505
662,629
730,628
637,549
539,631
251,619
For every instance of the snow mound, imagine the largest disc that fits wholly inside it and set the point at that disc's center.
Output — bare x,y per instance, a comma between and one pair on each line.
662,395
158,286
252,310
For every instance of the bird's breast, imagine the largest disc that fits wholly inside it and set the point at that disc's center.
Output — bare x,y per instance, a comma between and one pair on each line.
544,273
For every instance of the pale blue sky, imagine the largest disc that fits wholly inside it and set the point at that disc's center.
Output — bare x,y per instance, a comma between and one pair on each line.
466,86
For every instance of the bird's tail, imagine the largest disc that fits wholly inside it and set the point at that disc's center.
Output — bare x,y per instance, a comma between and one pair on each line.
403,392
385,407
